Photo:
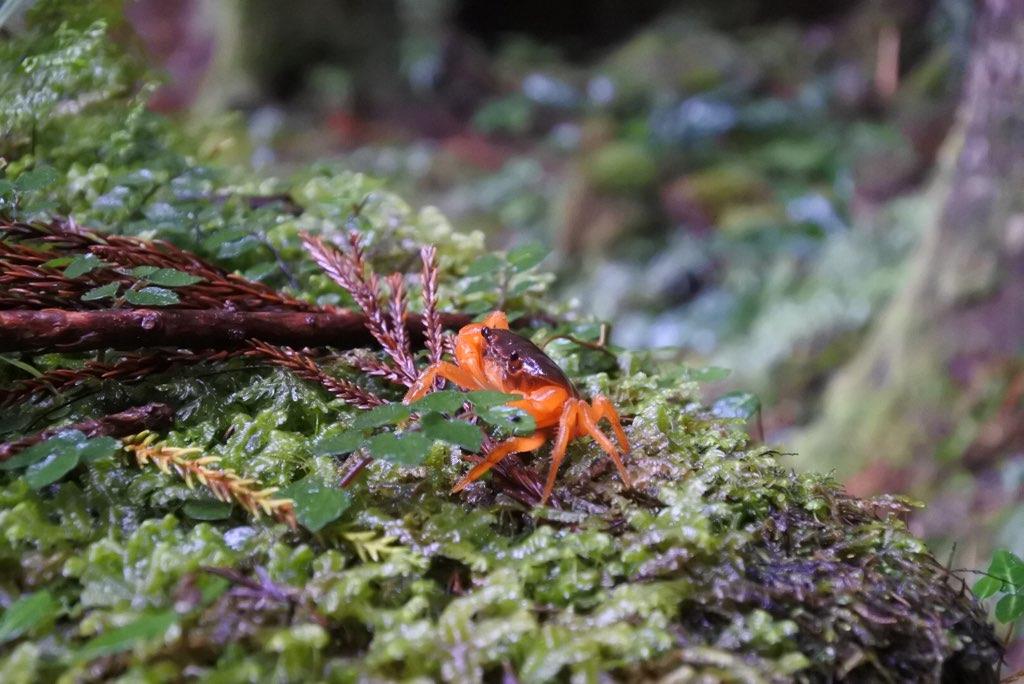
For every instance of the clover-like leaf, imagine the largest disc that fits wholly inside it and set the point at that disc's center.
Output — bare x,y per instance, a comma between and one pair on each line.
82,264
1010,607
337,441
388,414
407,449
64,442
317,503
151,296
526,257
108,291
459,432
165,277
443,401
508,419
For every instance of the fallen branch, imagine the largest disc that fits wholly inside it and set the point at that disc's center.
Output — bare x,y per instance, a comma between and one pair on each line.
56,330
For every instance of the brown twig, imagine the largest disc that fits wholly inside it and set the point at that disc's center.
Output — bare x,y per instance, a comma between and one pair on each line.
307,369
129,422
62,330
131,368
224,484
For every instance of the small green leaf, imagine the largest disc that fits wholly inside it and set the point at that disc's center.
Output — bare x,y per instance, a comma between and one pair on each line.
51,468
486,398
987,586
108,291
443,401
1010,607
509,419
151,296
25,613
123,638
67,441
317,503
36,179
96,448
458,432
408,449
337,441
488,263
82,264
737,405
1003,562
388,414
207,509
166,277
143,271
36,453
526,257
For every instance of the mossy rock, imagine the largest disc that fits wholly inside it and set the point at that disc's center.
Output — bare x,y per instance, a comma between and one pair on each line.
721,564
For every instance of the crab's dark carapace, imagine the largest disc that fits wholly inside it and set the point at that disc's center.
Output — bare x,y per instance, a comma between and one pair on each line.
490,356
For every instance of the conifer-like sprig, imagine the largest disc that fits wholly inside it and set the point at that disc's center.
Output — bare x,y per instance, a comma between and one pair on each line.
131,368
350,271
224,484
303,365
217,288
433,334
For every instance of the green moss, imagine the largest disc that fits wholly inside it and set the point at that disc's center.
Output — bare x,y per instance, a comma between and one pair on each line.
722,563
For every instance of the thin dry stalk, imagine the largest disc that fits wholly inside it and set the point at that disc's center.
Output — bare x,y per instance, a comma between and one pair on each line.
307,369
224,484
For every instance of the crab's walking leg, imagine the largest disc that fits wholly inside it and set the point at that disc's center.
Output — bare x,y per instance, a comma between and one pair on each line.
512,446
602,408
448,371
566,430
590,427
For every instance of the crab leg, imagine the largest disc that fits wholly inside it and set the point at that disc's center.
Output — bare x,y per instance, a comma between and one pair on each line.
602,408
590,428
512,446
566,429
448,371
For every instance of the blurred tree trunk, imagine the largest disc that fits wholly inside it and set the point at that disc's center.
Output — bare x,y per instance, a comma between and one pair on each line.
961,311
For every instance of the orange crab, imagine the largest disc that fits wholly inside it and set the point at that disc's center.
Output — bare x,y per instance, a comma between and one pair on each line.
490,357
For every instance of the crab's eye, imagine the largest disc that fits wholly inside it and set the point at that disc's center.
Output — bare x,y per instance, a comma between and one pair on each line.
514,356
486,332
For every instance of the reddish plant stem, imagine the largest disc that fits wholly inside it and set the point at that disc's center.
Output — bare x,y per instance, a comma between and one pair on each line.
129,422
131,368
60,330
